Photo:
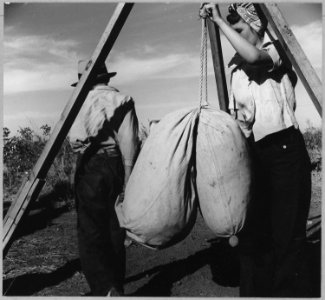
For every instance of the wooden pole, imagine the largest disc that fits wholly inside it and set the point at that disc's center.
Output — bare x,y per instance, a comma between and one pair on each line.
35,181
218,65
294,53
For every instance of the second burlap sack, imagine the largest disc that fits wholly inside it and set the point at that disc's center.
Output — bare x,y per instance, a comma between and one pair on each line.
224,175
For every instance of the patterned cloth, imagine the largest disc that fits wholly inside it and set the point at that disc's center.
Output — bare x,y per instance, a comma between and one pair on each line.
263,101
249,15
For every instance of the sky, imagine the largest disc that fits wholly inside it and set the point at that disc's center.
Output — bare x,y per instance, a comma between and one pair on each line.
156,57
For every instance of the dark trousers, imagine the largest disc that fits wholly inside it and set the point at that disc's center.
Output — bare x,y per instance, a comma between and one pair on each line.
273,241
98,181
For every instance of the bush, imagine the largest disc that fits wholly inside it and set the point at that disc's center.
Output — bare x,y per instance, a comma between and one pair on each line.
313,140
21,152
19,155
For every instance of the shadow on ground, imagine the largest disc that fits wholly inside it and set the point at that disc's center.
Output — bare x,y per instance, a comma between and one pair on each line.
220,256
222,259
224,263
29,284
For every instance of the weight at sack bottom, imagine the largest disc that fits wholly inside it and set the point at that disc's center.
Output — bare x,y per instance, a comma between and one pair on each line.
192,157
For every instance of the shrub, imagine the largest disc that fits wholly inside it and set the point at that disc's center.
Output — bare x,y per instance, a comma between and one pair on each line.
60,176
20,154
313,141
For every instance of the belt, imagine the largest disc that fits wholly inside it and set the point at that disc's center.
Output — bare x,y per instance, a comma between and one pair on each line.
109,152
89,151
278,137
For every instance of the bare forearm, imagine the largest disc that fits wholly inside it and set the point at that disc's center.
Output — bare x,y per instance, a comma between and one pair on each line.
245,49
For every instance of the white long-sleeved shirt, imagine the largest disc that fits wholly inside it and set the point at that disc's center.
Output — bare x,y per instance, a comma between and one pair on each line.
109,118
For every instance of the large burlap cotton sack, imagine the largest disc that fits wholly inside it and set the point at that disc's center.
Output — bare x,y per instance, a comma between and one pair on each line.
159,207
223,172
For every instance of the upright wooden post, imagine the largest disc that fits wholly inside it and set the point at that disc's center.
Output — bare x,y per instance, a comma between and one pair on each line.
294,53
36,179
1,89
218,65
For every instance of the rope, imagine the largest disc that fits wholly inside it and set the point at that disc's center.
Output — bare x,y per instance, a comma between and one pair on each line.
203,90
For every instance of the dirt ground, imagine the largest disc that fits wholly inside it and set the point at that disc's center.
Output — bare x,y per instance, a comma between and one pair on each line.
43,260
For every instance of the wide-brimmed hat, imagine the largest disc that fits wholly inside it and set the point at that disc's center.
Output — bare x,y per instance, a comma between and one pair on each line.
102,73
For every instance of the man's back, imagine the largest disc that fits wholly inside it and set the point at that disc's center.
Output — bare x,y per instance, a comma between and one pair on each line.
108,118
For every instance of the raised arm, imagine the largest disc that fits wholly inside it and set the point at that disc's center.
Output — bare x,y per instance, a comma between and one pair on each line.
245,43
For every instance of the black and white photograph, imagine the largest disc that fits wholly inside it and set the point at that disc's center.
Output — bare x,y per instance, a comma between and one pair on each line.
162,149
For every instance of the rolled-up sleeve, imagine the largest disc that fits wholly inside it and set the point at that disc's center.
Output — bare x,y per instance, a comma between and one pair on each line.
127,136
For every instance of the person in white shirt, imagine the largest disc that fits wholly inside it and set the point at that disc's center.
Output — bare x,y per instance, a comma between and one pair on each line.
105,138
262,100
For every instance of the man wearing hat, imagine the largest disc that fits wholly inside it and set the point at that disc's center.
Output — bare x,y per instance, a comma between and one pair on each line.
105,137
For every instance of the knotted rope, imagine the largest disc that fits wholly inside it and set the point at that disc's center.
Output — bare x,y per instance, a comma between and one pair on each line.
203,90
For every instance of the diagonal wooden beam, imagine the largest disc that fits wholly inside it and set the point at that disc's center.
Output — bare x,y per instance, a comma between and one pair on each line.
32,187
218,65
294,53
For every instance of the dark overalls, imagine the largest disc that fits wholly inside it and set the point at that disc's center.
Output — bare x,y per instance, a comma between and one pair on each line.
272,244
98,181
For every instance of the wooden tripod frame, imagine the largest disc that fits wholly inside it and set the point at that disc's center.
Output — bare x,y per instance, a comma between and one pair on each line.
32,186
